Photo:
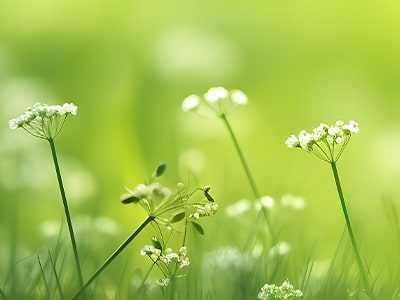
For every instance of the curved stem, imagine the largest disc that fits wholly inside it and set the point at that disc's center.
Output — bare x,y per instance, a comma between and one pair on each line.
350,231
2,294
246,168
113,256
66,210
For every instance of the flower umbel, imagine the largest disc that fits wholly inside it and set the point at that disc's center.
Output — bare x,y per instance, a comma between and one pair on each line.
44,121
284,291
167,207
170,263
218,100
327,142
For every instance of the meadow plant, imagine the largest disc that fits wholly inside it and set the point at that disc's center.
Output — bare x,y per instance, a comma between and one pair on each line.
164,208
220,102
173,264
328,142
45,122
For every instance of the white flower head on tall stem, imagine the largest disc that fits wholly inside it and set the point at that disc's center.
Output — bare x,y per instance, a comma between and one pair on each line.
218,100
327,142
44,121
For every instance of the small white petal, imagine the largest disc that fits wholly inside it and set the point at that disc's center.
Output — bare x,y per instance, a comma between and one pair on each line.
238,97
216,94
190,103
13,124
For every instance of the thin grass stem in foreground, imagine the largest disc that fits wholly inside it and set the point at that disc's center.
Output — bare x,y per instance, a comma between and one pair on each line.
66,210
113,256
59,288
44,278
2,294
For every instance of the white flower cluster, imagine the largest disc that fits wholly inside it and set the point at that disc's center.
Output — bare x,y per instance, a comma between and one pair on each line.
204,210
323,139
41,120
284,291
151,251
41,110
168,256
218,99
150,191
148,196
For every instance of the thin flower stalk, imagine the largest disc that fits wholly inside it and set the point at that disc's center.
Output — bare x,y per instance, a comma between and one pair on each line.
113,256
66,210
327,142
220,102
45,122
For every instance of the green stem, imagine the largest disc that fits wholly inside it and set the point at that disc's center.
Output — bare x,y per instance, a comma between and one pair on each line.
66,210
2,294
350,230
246,168
44,278
113,256
56,277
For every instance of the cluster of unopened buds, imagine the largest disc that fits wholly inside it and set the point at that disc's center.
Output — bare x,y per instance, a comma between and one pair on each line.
284,291
43,120
167,207
168,256
325,141
204,210
217,99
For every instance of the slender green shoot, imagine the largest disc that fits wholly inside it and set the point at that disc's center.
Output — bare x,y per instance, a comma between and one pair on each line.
44,278
66,210
248,173
113,256
360,265
59,288
2,294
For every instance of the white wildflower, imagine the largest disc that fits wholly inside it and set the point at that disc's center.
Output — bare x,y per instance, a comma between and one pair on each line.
323,139
204,210
218,100
265,202
238,208
43,120
292,201
13,124
292,141
238,97
216,94
191,103
305,139
164,282
280,249
332,131
150,250
184,263
339,123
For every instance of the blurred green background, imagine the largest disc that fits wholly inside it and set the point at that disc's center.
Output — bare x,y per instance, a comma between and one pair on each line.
129,64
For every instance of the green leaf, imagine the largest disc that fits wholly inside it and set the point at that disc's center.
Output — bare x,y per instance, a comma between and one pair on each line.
156,243
178,217
160,169
208,196
198,228
128,198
